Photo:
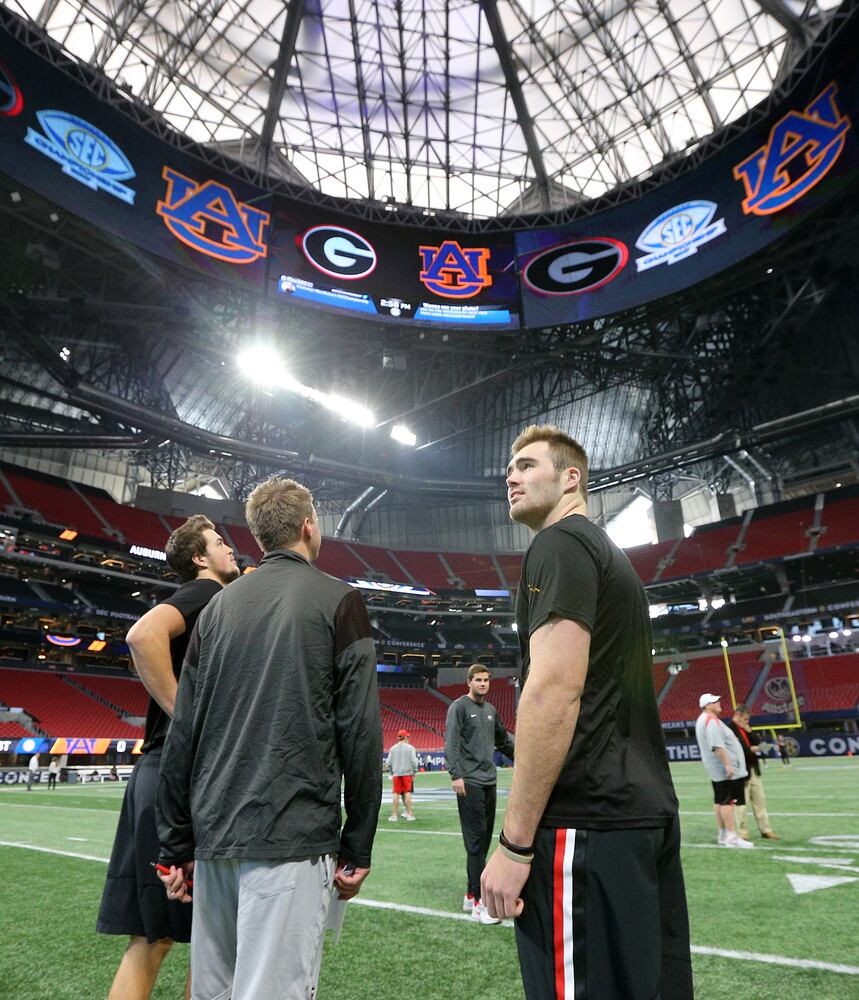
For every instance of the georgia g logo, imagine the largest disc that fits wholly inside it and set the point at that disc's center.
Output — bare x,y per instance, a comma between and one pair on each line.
209,218
338,252
809,141
576,267
455,272
11,100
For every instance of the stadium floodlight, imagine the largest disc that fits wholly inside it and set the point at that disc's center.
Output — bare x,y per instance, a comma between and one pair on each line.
265,366
833,635
262,364
717,602
797,638
401,433
847,633
806,638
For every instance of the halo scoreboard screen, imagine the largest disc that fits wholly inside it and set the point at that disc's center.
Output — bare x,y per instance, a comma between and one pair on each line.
393,272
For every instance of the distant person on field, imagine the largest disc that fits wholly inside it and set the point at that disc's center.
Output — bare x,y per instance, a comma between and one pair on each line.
133,901
53,771
472,733
722,756
588,861
404,765
33,771
783,751
277,707
740,726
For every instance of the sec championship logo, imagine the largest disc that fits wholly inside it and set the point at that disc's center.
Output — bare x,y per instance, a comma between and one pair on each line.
576,267
84,152
802,148
339,252
677,234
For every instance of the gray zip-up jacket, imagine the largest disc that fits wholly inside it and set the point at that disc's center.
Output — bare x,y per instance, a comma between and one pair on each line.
472,734
277,703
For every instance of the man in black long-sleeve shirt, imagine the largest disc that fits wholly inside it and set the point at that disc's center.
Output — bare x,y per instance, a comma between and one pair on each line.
277,702
472,733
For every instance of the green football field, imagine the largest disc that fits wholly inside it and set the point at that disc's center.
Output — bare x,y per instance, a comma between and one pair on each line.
781,921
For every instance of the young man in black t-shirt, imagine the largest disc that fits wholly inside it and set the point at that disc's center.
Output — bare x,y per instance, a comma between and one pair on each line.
589,861
133,901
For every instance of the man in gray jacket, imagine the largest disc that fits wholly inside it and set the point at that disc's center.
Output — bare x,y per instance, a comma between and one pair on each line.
277,703
472,734
404,765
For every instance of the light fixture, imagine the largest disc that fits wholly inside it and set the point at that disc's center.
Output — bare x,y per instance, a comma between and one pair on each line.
68,535
401,433
797,638
847,632
806,638
264,365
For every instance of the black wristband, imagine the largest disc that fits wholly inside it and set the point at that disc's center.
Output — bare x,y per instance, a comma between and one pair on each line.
515,848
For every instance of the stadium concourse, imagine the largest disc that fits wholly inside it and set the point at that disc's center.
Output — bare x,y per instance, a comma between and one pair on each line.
363,246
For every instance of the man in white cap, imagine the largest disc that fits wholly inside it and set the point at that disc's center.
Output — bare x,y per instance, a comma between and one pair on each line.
723,758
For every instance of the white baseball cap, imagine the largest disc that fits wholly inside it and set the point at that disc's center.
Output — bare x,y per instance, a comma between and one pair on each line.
707,699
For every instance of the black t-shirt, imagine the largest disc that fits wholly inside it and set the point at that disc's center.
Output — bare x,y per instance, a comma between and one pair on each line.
616,773
189,600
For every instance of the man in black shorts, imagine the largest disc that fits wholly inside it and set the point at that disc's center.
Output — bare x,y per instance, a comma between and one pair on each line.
133,901
589,862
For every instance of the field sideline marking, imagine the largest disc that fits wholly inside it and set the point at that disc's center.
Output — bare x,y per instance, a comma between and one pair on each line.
743,956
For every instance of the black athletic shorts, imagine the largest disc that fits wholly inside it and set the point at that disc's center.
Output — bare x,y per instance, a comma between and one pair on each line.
605,917
732,790
134,900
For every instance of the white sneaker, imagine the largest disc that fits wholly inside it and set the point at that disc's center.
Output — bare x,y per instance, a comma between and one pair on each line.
468,903
410,818
393,819
723,838
481,914
733,840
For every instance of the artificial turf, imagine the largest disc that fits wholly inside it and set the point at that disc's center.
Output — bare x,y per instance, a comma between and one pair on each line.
740,901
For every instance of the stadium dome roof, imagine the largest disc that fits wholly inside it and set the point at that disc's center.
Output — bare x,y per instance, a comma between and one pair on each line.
482,108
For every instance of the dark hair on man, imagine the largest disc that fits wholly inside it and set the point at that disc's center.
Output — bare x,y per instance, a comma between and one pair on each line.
477,668
742,710
565,451
276,510
187,541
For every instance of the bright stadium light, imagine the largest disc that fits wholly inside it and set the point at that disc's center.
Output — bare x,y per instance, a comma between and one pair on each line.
806,638
797,638
265,366
401,433
262,364
833,635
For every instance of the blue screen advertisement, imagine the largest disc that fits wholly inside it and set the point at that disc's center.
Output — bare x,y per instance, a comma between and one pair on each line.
393,272
60,140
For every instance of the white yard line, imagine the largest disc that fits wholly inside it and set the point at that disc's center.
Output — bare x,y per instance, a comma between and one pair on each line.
850,815
742,956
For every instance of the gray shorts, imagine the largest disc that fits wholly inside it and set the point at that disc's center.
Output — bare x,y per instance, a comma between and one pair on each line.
258,928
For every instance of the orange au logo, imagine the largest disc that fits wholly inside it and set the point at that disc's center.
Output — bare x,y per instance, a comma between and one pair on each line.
801,149
454,272
208,218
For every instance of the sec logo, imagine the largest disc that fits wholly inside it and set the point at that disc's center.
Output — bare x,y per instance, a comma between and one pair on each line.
576,267
339,252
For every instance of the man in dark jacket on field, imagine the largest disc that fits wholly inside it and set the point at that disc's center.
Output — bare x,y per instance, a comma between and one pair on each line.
472,733
277,703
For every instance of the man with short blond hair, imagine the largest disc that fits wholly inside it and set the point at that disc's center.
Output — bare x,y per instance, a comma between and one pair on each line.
133,900
276,511
589,856
277,707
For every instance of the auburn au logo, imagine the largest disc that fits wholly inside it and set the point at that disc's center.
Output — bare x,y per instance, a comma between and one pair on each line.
454,272
208,218
802,147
